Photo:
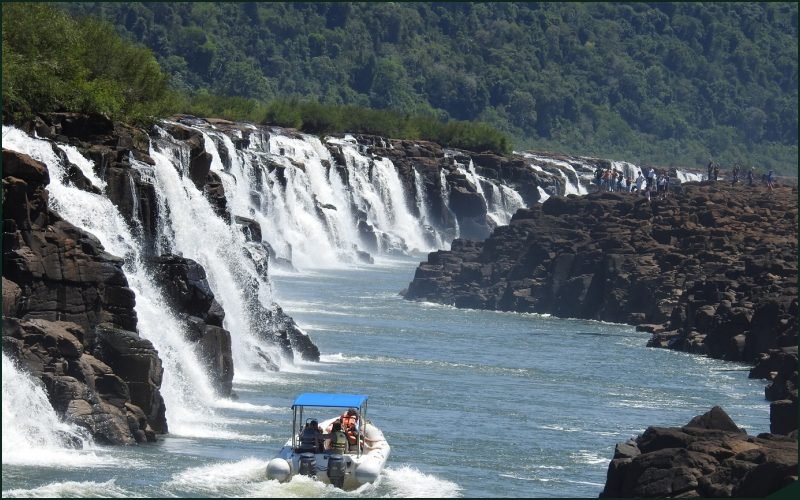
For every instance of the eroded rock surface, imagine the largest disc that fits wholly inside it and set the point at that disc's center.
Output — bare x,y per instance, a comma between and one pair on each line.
708,457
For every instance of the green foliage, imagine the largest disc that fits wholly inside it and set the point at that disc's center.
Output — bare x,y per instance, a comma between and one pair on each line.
663,83
52,62
317,118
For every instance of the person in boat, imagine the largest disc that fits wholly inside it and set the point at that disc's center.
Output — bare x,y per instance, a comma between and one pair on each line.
349,422
311,439
338,439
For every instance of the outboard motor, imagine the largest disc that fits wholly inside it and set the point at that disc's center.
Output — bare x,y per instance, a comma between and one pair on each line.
308,464
336,469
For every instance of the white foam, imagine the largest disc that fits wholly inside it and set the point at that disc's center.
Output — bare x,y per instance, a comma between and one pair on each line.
33,435
222,479
85,165
72,489
588,457
409,482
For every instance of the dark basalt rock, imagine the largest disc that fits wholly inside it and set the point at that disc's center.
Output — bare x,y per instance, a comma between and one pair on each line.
215,193
60,289
188,294
705,458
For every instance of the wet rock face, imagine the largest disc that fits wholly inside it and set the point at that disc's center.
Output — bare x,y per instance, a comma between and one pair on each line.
59,287
708,457
188,294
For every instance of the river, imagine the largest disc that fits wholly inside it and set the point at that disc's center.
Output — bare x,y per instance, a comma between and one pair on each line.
473,403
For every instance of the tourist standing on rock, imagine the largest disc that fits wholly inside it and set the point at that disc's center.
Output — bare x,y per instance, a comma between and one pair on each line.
750,177
735,175
662,186
770,180
639,182
598,177
651,178
605,180
716,172
710,169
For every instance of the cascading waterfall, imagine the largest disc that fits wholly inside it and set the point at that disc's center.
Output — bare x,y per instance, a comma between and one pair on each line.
186,389
32,432
424,213
309,214
628,170
198,233
85,165
376,190
689,176
503,201
445,193
572,184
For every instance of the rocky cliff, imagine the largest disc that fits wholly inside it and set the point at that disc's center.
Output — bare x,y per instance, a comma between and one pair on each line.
69,315
710,269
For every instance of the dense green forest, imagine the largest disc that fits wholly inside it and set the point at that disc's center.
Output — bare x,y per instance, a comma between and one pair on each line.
55,62
52,62
665,83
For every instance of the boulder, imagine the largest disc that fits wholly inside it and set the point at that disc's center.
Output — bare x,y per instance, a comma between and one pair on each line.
708,457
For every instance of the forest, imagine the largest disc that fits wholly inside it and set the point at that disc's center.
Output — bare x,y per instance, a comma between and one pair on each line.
661,83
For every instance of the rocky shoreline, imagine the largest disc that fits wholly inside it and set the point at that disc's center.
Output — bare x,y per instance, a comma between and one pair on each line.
710,270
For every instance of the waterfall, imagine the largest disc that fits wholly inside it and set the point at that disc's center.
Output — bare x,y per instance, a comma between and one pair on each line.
85,165
186,389
569,176
424,213
502,201
689,176
505,203
198,233
445,193
543,195
32,432
309,213
627,169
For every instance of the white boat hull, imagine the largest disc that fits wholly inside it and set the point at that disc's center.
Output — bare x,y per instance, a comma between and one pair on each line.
359,469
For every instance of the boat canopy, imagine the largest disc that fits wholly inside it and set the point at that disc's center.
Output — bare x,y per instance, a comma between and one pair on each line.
330,400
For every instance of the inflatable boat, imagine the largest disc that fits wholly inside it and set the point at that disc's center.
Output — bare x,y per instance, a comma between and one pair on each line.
317,448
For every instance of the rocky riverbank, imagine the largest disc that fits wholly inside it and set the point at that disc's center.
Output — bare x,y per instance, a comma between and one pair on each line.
711,269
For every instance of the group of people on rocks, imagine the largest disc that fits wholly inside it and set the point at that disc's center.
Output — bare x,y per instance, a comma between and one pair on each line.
340,437
767,179
612,180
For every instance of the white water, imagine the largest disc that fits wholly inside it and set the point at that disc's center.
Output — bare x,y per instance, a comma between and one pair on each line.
689,176
85,165
186,389
571,182
445,193
424,214
40,440
197,233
